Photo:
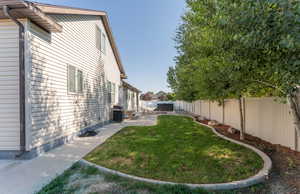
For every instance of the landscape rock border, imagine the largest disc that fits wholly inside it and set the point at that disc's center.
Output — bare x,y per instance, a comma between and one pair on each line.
260,177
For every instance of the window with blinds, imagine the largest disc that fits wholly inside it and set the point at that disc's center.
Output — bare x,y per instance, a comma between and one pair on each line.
113,93
103,43
111,90
71,79
75,80
100,40
79,81
109,96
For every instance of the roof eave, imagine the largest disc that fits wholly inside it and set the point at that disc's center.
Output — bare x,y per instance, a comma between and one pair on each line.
59,9
23,9
127,85
55,26
114,46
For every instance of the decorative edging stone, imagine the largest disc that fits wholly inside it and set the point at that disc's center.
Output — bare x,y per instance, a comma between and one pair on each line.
261,176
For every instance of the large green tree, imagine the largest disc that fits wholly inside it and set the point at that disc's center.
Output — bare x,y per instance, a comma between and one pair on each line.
269,43
205,67
237,48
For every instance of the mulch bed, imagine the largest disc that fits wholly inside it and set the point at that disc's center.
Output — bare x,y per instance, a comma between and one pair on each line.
285,174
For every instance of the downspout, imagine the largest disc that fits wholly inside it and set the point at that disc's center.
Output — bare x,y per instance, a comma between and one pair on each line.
21,77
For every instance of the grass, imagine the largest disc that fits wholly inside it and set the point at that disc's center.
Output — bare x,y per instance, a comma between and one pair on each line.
178,150
78,178
63,184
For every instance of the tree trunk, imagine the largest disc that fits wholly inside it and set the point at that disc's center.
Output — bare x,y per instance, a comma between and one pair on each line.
242,131
294,106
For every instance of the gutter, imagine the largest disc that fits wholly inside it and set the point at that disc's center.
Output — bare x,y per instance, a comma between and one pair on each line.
6,11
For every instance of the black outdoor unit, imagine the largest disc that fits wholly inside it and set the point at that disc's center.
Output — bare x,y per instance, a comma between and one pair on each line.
118,114
165,107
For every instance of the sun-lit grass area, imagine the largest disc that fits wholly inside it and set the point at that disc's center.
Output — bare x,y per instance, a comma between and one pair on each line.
176,149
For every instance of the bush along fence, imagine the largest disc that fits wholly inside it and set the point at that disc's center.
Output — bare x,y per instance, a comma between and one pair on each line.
263,117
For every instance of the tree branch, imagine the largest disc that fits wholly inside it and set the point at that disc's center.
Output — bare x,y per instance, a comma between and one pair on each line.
269,85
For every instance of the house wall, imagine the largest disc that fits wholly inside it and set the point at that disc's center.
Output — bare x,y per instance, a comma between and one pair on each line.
264,118
130,103
56,113
9,86
112,71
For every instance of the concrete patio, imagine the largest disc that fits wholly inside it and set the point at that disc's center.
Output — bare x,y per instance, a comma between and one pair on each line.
29,176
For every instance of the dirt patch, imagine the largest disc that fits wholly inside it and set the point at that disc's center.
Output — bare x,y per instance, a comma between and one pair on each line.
82,184
285,174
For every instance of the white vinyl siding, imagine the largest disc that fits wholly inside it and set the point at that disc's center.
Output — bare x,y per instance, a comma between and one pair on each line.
9,87
130,100
56,114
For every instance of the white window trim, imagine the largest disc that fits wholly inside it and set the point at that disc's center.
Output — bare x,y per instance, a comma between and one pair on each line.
76,81
111,92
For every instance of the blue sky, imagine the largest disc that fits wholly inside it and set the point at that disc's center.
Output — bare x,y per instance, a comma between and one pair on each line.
144,32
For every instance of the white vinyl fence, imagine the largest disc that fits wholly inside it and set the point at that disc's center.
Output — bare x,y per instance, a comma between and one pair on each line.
264,118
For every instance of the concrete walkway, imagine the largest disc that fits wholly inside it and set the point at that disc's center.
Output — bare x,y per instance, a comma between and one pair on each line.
28,177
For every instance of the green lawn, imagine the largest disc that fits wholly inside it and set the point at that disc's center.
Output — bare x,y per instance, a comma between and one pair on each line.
176,149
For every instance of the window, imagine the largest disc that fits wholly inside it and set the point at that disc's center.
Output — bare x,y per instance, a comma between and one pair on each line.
100,40
79,81
75,80
128,95
111,90
103,43
113,93
71,79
